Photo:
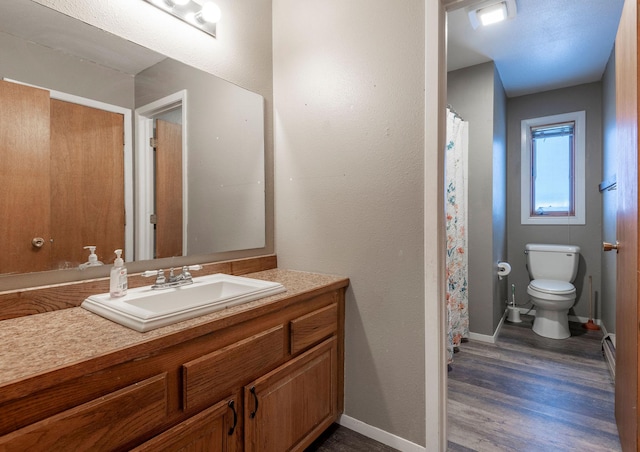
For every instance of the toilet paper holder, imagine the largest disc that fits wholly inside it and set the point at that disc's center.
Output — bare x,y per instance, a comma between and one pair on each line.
503,269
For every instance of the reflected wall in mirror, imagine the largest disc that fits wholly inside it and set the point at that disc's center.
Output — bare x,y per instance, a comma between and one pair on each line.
221,171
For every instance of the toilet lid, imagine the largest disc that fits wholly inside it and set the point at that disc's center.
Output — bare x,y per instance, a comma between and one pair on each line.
552,286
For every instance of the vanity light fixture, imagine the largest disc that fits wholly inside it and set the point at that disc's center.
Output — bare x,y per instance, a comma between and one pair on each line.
491,12
202,14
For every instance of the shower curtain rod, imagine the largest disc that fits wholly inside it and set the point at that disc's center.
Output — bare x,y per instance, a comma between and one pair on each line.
454,112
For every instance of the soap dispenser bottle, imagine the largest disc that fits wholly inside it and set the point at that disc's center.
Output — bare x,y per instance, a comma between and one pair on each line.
118,280
93,258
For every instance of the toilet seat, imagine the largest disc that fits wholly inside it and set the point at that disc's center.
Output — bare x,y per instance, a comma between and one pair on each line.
552,287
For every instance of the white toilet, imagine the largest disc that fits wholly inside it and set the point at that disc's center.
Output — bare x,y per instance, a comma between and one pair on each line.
552,269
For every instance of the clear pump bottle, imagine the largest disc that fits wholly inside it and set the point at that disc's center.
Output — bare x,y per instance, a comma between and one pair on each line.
118,280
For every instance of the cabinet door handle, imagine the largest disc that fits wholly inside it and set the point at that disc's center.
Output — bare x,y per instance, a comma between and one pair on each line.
235,417
255,398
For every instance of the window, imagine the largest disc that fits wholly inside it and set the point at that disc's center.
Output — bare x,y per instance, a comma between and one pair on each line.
553,168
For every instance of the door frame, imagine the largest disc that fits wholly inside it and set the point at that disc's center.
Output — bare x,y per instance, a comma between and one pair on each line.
144,117
128,154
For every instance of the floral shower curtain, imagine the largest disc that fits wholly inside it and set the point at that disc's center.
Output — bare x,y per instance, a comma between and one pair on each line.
456,214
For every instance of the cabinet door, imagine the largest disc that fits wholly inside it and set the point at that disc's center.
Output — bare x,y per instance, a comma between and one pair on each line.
287,408
215,429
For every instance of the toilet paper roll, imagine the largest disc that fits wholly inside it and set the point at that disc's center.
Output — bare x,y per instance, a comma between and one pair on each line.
503,268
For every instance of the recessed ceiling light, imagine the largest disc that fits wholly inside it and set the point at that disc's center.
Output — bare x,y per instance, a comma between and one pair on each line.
491,12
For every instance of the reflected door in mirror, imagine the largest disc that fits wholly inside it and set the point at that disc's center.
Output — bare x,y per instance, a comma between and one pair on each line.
63,170
24,197
168,189
87,192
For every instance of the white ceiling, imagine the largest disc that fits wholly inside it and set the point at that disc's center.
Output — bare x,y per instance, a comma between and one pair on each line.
550,44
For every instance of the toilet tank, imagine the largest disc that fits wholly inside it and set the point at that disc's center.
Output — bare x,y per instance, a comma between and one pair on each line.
559,262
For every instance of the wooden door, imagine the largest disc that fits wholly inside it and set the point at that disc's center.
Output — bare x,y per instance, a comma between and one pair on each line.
87,183
24,172
626,391
168,189
287,408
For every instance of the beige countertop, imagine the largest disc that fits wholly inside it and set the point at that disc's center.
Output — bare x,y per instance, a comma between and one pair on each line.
56,341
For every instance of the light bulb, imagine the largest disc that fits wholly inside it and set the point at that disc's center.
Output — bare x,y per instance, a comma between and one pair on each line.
209,13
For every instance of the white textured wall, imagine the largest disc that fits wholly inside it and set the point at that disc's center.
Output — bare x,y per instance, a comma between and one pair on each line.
349,80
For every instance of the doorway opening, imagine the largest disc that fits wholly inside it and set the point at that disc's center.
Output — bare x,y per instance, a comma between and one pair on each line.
161,178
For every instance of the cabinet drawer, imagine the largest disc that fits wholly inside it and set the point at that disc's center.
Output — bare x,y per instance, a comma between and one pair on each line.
211,377
310,329
102,424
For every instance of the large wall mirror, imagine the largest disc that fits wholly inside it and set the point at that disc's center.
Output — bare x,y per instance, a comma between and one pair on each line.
105,143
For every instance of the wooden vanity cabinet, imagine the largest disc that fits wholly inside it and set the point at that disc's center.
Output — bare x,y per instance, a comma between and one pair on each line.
271,381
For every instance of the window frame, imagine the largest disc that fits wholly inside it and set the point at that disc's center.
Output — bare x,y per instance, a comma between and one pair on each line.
526,195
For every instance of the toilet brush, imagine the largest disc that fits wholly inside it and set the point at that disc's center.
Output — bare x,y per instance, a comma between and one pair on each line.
514,312
590,325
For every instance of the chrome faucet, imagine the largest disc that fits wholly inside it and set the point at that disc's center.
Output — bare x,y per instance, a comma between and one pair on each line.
163,282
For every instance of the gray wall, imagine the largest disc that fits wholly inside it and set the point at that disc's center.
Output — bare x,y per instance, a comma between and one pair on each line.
586,97
350,188
476,93
499,248
607,302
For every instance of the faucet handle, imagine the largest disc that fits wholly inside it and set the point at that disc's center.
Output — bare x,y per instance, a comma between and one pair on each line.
186,270
159,274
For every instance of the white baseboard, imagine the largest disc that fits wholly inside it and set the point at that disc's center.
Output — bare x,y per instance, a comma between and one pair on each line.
485,337
379,435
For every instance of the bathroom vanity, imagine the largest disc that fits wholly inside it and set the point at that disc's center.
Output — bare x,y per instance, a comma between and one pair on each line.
263,376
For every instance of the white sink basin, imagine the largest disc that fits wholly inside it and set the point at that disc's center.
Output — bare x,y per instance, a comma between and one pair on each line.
144,309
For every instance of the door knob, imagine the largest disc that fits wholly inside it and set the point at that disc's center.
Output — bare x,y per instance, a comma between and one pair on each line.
37,242
606,246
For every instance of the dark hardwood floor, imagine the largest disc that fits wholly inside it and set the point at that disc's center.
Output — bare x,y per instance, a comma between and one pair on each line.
523,393
529,393
340,439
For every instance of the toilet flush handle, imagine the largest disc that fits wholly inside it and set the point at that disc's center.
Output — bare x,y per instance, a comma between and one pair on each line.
606,246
